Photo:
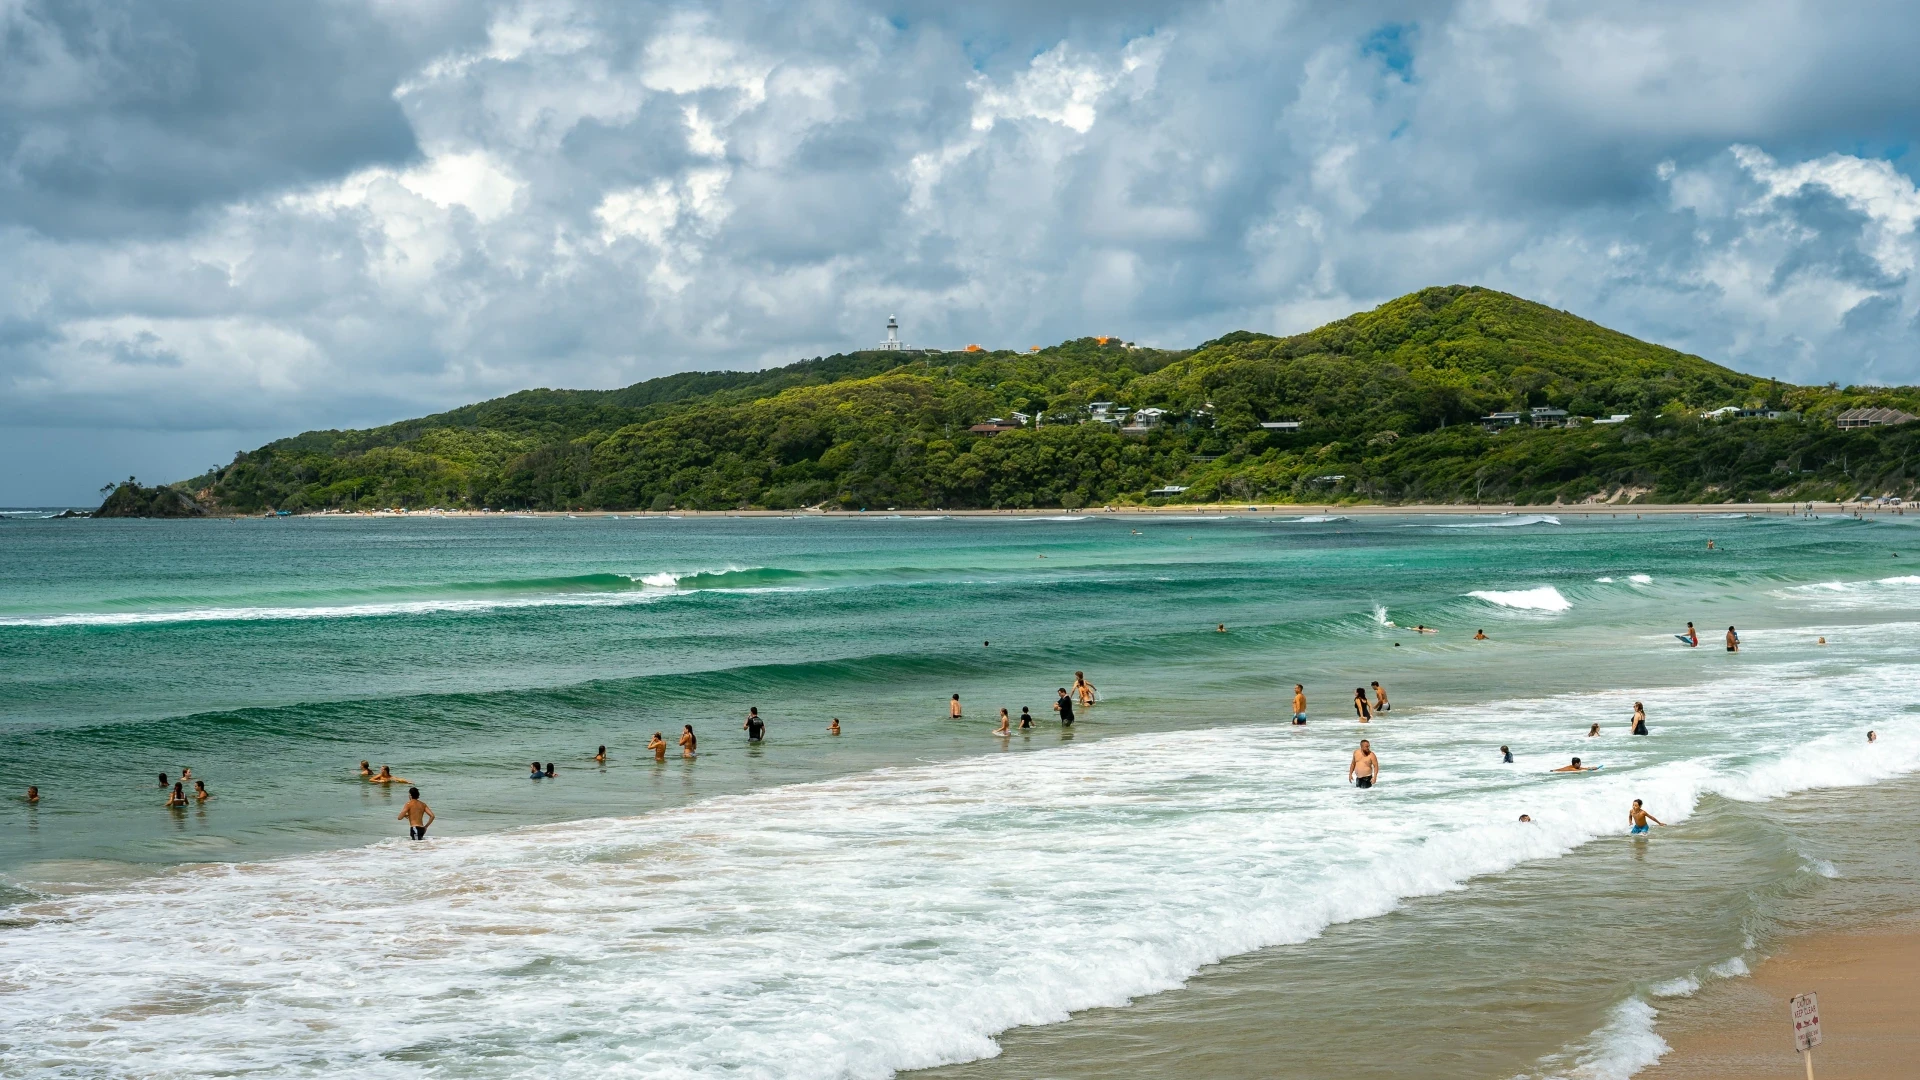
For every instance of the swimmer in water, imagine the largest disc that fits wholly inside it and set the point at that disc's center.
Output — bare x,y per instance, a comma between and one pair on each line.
163,779
1575,767
1822,641
1380,702
551,771
200,792
1364,768
186,774
385,776
1220,629
1064,706
366,771
658,744
1360,707
537,772
1026,719
1733,640
1006,724
756,728
687,741
417,814
1593,731
33,794
953,707
177,797
1506,756
1638,818
1639,719
601,757
1692,636
833,726
1299,704
1422,628
1871,737
1479,635
1526,819
1083,689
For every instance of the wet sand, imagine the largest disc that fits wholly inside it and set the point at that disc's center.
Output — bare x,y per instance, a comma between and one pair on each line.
1869,987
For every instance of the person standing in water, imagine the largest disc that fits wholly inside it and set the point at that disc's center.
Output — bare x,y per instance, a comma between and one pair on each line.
1364,768
163,779
658,745
953,707
177,797
1638,818
1380,702
200,792
33,794
1006,724
1480,635
1733,640
536,772
687,741
1692,636
1506,756
601,757
1594,731
1064,706
833,726
1639,719
756,728
1026,719
1083,689
417,814
1360,707
1299,704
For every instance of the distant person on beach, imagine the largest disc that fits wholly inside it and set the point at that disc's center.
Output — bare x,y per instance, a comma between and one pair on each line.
417,814
538,773
601,757
200,792
1506,756
1360,707
756,728
1479,635
1639,719
1299,704
1083,688
1692,636
366,771
833,726
178,796
1575,767
658,744
1006,724
1380,702
33,794
1064,706
953,707
687,741
1593,731
1364,768
1026,719
1733,640
1638,817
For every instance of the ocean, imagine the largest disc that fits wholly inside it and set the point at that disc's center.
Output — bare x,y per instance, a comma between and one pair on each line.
1181,884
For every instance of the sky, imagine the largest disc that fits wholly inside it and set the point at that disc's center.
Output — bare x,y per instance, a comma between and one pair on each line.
226,222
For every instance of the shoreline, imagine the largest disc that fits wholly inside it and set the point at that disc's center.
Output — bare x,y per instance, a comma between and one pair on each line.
1610,510
1868,981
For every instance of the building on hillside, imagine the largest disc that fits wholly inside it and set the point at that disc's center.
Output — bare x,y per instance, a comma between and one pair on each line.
1616,418
1283,426
1145,419
893,342
1500,421
994,426
1170,489
1543,416
1106,412
1735,412
1859,418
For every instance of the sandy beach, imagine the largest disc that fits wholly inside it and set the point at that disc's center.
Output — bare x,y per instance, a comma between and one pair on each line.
1613,510
1869,987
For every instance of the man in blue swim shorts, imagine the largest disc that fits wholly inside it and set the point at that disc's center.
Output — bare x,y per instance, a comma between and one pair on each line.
1639,818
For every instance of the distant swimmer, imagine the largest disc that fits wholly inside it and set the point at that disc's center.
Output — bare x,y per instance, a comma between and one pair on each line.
1691,637
33,794
953,707
1506,756
537,772
200,792
601,757
1871,737
1360,706
1593,731
1733,640
178,796
551,771
1083,689
1006,724
1576,767
163,779
1639,719
1526,819
985,644
658,745
687,741
756,728
1064,706
1299,704
1822,641
1364,768
366,770
1026,719
385,776
1380,702
1479,635
1422,628
417,814
1709,545
1220,629
833,726
1639,817
186,774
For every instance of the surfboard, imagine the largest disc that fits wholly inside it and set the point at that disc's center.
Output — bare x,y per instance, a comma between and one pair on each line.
1685,640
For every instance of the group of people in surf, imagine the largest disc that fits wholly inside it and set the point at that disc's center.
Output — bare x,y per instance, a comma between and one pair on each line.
178,798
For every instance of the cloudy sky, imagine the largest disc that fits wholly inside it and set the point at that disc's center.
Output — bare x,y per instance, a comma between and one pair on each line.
222,222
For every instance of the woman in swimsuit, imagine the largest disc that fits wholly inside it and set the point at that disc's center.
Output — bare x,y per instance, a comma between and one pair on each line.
1594,731
1082,688
601,757
659,747
200,791
687,741
177,797
1360,706
1006,724
1639,719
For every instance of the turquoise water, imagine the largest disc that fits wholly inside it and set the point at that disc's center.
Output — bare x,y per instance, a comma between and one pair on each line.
915,892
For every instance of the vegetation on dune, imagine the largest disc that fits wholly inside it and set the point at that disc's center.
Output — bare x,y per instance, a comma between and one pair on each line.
1388,402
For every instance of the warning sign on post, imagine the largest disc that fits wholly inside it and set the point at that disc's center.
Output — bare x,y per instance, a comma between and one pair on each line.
1806,1021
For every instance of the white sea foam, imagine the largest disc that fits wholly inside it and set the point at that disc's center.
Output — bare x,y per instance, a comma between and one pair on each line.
1604,580
1640,579
1541,598
326,611
884,921
1622,1046
1505,522
1316,519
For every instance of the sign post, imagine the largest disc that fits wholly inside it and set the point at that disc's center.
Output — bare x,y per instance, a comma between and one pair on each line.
1806,1026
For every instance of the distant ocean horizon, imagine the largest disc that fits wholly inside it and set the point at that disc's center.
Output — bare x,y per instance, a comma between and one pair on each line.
1182,882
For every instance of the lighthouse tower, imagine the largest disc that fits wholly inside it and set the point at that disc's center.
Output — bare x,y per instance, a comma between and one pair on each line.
893,342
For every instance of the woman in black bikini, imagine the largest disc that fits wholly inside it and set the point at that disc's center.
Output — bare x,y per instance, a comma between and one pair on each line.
1639,719
1360,706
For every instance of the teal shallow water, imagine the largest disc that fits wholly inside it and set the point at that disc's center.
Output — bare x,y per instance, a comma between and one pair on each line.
271,656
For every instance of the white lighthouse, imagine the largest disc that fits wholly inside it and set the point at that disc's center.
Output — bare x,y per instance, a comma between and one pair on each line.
893,342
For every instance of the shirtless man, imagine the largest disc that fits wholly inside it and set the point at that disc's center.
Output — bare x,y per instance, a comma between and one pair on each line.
1380,703
1575,767
417,814
1733,640
833,727
659,747
33,795
1479,635
1364,768
687,741
1638,817
1299,704
366,771
953,707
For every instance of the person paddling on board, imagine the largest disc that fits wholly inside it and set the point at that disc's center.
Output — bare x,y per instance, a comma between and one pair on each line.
1576,767
1364,768
1638,817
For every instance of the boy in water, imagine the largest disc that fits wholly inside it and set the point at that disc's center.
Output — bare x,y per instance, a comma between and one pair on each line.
1299,704
417,814
1364,768
1638,817
953,707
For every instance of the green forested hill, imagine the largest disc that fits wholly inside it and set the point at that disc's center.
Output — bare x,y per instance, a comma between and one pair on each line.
1388,402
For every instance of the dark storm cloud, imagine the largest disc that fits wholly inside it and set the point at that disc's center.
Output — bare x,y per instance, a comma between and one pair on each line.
274,217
